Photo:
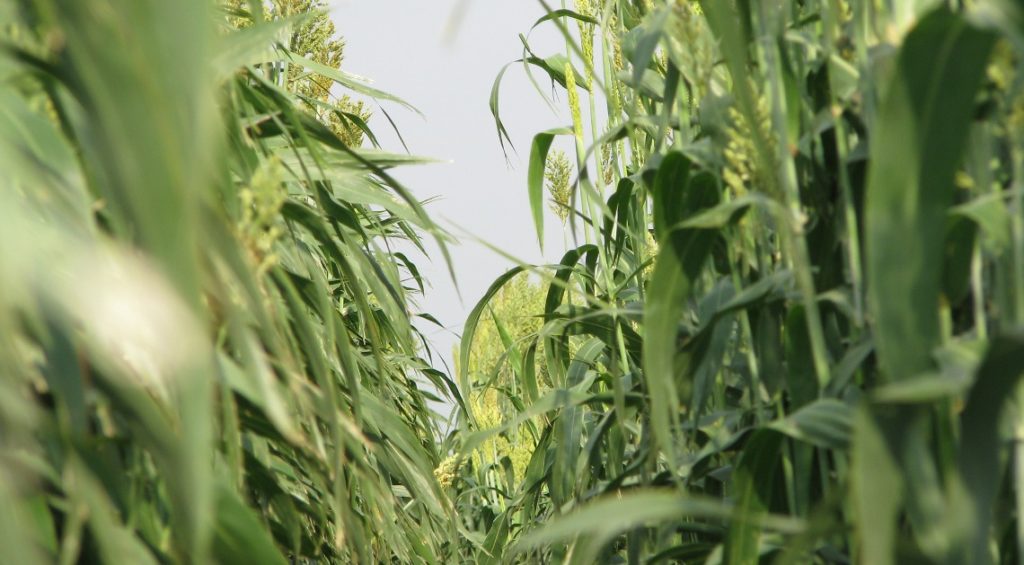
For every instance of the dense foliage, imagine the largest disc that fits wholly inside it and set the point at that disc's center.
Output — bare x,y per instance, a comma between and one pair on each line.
820,363
788,326
206,347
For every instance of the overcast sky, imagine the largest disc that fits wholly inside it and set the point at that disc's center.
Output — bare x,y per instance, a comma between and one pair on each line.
405,47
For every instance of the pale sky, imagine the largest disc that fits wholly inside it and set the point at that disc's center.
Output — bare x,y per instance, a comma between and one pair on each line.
403,45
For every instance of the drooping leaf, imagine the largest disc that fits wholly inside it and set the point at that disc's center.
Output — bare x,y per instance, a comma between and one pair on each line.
535,176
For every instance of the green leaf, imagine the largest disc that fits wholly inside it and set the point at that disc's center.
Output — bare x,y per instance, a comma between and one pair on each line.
493,103
801,380
239,536
563,13
979,459
668,190
630,509
469,330
556,347
679,263
825,423
642,41
989,212
554,66
348,80
917,143
919,389
253,45
754,481
535,176
876,490
553,401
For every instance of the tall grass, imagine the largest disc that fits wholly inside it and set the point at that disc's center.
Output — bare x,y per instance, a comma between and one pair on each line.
821,362
788,328
205,346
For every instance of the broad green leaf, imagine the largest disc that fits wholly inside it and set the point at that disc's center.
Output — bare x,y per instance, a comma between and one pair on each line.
753,481
824,423
240,536
668,190
917,143
800,380
554,66
642,41
989,212
876,490
978,462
